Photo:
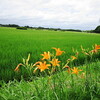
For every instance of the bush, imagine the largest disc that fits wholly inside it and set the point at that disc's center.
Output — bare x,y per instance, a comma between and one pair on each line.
22,28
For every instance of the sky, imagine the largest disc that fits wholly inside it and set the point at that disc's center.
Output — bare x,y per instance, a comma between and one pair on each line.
65,14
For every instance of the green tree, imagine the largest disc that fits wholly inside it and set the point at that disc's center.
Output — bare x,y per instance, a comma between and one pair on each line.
97,30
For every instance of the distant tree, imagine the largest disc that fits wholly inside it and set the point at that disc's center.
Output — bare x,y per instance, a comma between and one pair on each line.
9,25
13,25
41,28
27,26
74,30
97,29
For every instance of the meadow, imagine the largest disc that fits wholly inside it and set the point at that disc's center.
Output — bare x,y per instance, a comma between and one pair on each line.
73,84
17,44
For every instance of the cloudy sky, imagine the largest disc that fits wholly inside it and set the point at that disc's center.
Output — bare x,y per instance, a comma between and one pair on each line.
73,14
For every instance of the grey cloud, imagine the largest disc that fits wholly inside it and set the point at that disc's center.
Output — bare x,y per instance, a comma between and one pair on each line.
78,14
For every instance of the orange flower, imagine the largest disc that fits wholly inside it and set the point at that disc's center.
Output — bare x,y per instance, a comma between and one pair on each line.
75,70
55,62
35,63
35,70
94,51
17,68
97,47
46,55
58,51
73,57
42,66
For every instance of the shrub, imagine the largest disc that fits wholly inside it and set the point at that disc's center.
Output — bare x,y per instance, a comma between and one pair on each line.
22,28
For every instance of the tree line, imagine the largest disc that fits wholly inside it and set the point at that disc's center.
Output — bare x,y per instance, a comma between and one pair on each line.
96,30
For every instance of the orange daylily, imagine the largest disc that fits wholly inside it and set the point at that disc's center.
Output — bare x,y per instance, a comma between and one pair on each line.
97,47
17,68
94,51
55,62
69,69
75,70
42,66
58,51
35,63
73,57
35,70
46,55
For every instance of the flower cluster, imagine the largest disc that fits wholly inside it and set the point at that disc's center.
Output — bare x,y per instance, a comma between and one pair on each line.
90,53
50,62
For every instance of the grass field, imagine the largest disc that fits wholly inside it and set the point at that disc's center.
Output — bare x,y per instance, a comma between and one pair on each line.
80,80
61,86
17,44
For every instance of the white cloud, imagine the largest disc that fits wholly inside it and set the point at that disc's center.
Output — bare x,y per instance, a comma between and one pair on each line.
51,13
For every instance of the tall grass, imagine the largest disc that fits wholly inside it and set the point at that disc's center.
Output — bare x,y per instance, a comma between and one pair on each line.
61,86
17,44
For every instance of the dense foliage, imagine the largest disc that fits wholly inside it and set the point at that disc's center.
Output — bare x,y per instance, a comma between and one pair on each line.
97,30
9,25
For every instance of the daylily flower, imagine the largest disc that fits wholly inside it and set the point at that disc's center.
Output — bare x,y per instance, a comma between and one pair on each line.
55,62
35,63
94,51
17,68
73,57
97,47
46,55
69,69
75,70
35,70
42,66
58,51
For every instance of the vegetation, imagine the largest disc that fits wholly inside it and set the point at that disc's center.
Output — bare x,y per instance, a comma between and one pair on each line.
59,65
97,30
9,25
71,30
22,28
17,44
37,28
74,83
61,86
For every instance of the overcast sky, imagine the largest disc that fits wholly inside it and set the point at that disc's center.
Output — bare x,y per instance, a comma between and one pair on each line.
73,14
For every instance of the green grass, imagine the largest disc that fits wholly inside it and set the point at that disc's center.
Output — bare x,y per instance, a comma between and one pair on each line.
61,86
17,44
